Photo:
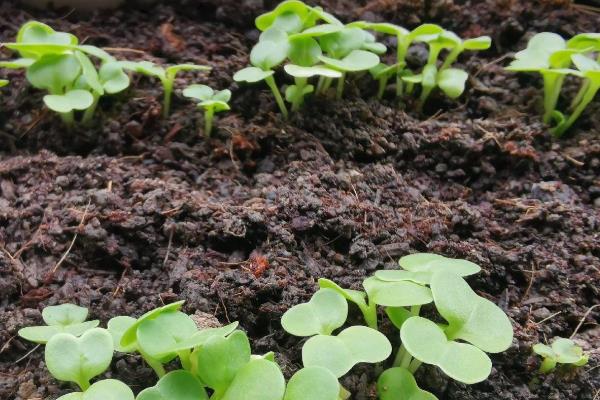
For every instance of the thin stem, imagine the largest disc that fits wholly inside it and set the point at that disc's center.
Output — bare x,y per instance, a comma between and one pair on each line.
69,119
184,357
425,92
451,57
89,113
320,84
586,99
84,385
273,86
298,100
414,365
370,314
154,364
382,85
326,85
168,93
399,356
415,310
340,86
209,113
584,87
552,86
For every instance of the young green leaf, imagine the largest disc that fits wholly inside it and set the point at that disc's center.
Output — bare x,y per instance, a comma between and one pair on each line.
176,385
158,336
130,335
298,71
396,293
304,51
398,315
298,8
34,32
326,311
64,318
357,297
585,41
54,72
537,54
356,60
562,351
268,54
471,317
340,44
78,360
113,78
316,31
117,327
452,82
314,383
430,263
258,380
351,346
17,64
210,101
251,75
70,101
107,389
399,384
220,359
427,342
199,338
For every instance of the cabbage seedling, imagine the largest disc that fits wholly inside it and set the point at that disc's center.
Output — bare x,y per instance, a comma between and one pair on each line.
166,76
210,101
562,351
64,318
79,359
268,53
326,311
102,390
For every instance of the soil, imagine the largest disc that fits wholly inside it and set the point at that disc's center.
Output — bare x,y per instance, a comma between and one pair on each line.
241,225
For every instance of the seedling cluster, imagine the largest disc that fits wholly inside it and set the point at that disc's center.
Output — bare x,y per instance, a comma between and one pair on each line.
313,43
473,325
555,59
561,351
76,76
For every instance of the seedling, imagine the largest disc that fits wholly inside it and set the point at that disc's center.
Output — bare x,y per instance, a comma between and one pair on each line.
78,360
57,63
166,76
210,101
65,318
562,351
326,311
102,390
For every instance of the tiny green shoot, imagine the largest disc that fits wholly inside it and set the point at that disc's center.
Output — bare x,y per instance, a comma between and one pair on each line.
211,101
561,351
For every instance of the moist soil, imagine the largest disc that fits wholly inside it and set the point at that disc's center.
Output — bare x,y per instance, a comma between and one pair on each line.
241,225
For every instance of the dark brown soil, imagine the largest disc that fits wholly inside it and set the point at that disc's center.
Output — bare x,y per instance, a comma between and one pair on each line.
242,225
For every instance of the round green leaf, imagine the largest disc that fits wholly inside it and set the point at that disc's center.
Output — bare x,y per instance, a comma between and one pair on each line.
317,31
314,383
265,21
470,317
585,41
355,296
536,55
267,54
396,294
200,337
54,72
251,75
544,350
176,385
340,44
259,379
298,71
64,314
108,389
39,33
340,353
199,92
400,384
429,263
41,334
567,352
479,43
89,72
304,51
129,336
220,359
326,311
357,60
222,95
291,92
78,360
117,327
288,22
452,82
113,78
72,100
427,342
159,336
425,29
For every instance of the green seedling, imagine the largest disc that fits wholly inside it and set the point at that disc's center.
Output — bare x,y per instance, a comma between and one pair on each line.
57,63
108,389
65,318
209,100
562,351
176,385
399,384
315,383
450,80
268,53
326,311
79,359
340,353
3,82
166,76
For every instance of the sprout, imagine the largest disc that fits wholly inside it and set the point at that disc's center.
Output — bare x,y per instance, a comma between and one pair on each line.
562,351
57,63
79,359
65,318
340,353
399,384
102,390
166,76
176,385
326,311
210,101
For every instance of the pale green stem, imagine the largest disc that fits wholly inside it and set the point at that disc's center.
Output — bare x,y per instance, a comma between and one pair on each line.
552,86
273,86
89,113
320,84
370,314
209,113
382,85
154,364
451,57
298,100
84,385
414,365
584,87
547,365
403,44
68,119
340,86
586,99
168,93
326,85
425,92
184,357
